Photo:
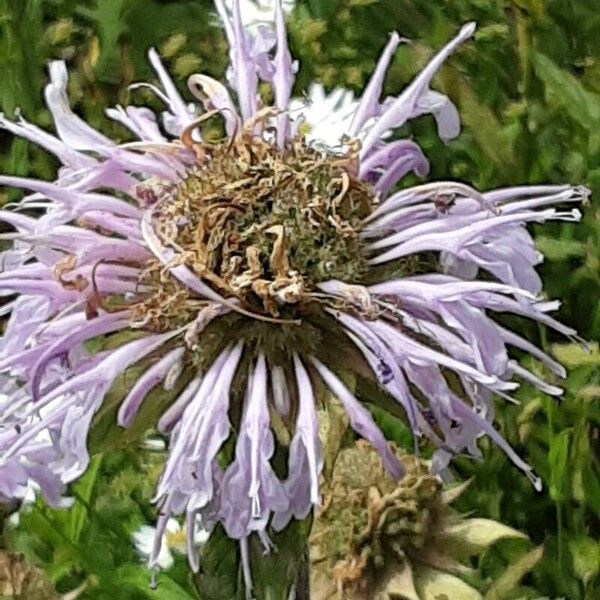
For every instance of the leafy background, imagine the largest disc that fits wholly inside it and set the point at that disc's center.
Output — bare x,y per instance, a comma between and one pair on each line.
528,89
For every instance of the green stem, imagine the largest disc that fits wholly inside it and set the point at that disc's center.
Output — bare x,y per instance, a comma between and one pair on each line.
303,581
559,536
557,506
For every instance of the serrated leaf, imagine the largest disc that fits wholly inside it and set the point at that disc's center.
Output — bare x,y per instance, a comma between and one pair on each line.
473,536
433,585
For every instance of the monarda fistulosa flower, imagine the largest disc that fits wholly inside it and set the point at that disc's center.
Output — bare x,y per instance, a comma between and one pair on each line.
243,274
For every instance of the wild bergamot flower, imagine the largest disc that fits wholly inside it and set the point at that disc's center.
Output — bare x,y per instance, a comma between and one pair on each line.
245,273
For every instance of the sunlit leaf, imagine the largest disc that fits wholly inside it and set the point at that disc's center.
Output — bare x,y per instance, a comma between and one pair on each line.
573,355
433,585
472,536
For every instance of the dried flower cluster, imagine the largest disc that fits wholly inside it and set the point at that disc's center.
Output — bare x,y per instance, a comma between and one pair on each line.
379,538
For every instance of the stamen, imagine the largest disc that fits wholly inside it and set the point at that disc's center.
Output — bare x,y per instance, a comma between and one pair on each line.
256,512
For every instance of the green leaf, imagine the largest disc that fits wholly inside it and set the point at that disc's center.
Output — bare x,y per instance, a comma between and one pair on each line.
591,487
274,574
82,490
321,9
473,536
513,575
138,578
21,60
106,434
220,576
585,553
559,249
434,585
558,460
107,18
485,128
573,355
46,532
566,92
393,428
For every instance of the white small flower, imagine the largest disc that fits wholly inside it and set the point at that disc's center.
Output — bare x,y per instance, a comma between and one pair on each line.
260,12
174,538
325,117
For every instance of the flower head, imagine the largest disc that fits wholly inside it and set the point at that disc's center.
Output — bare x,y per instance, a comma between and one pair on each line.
242,272
380,538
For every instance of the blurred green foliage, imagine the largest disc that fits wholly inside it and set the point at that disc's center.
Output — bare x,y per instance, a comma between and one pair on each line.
528,89
561,442
90,545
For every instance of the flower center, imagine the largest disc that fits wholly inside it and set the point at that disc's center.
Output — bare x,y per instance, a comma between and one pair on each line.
263,225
